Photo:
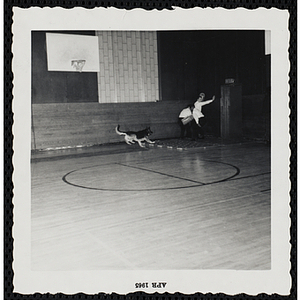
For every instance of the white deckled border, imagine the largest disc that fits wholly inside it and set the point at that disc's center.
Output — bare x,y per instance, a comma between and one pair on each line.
277,280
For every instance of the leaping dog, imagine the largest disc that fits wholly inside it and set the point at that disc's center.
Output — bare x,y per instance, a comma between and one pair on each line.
136,136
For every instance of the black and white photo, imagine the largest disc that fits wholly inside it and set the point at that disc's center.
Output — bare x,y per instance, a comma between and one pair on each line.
151,155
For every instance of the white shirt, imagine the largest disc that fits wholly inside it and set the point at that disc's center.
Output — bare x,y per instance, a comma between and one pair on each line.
185,113
197,112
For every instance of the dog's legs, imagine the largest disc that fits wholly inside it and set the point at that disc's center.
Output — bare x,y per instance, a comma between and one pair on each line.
129,141
141,145
149,141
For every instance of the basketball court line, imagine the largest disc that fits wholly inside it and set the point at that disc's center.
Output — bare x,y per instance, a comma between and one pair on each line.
249,176
165,174
197,183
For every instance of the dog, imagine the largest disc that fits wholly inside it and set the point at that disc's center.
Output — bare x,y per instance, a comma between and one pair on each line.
136,136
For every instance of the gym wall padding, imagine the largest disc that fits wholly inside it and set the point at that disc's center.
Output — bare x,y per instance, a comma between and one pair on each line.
84,124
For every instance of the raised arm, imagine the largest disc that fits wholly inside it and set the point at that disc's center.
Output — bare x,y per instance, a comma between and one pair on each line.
208,101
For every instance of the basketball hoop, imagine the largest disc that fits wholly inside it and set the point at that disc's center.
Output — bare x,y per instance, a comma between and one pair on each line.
78,64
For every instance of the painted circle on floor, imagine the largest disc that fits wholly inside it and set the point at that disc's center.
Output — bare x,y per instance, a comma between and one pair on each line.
152,176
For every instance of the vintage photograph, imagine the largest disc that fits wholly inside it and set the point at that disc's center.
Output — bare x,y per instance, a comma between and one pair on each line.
152,152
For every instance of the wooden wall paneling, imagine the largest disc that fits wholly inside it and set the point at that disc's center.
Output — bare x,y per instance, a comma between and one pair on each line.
85,124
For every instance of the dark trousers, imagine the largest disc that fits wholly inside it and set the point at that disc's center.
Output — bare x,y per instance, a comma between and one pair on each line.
192,129
185,130
197,131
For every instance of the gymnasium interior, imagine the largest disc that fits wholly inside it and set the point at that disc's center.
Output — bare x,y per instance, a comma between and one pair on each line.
98,203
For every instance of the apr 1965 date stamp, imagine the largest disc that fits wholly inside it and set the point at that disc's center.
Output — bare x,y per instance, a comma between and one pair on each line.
154,285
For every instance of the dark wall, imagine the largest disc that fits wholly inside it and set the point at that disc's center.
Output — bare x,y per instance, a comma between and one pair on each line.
59,87
199,61
195,61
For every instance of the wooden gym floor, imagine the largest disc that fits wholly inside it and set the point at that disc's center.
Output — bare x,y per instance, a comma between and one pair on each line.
160,208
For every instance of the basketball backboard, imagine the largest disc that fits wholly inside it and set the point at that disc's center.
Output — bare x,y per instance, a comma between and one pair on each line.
65,49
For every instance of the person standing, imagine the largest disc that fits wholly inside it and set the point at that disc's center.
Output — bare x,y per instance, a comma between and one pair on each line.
185,120
198,115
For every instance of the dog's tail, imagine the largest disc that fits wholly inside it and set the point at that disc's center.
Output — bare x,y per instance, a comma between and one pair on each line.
118,131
